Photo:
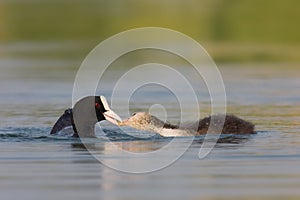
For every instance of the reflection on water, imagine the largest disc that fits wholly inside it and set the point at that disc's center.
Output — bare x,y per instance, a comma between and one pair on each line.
35,165
255,166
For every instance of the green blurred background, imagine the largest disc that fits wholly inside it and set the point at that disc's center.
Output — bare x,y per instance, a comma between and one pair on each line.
230,30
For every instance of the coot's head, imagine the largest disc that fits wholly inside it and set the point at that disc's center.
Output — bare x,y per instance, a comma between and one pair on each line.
85,114
103,111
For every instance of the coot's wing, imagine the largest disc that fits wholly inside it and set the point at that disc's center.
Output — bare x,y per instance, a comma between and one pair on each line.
64,121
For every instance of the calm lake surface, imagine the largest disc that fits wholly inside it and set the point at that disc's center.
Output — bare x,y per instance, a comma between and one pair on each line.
36,86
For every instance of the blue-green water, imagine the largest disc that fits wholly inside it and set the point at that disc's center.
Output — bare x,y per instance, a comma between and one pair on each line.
35,165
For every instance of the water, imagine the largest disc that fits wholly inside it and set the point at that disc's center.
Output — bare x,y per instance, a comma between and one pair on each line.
35,165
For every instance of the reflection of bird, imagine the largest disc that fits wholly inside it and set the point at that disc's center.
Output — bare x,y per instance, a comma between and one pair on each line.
232,125
85,114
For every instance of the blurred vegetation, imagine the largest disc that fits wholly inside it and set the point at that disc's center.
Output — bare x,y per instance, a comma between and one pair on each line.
231,30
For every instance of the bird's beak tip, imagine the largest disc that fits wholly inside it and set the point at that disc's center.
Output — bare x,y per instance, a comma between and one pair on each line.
112,117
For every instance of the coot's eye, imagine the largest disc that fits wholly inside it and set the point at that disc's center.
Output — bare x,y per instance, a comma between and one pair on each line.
97,105
133,114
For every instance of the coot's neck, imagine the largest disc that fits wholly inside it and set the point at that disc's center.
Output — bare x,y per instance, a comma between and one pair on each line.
75,134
